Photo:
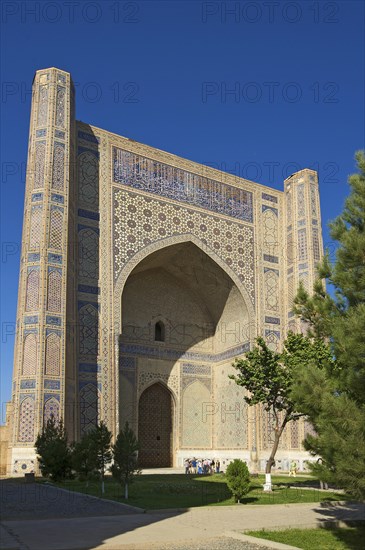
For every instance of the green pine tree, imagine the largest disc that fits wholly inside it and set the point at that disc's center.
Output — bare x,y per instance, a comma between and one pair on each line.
53,452
125,458
334,397
84,458
101,445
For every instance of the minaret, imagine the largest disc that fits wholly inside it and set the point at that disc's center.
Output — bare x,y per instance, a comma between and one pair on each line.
304,236
43,380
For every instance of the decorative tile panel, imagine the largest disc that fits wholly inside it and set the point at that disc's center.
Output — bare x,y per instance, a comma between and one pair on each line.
53,355
40,157
26,420
42,105
29,366
231,241
177,184
58,169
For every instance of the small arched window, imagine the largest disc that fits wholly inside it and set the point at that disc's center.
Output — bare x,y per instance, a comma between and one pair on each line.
159,332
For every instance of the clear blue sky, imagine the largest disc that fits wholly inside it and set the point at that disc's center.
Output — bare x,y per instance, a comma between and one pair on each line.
161,73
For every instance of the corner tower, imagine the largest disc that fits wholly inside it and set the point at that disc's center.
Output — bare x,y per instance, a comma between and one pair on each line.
43,381
304,236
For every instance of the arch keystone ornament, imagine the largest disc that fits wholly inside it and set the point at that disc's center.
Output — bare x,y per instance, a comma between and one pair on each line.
144,275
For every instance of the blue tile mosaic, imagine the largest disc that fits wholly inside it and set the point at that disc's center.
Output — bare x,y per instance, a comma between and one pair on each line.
41,133
53,320
57,198
270,198
177,184
37,197
82,303
52,384
27,384
88,214
59,134
55,258
272,259
31,319
33,257
272,320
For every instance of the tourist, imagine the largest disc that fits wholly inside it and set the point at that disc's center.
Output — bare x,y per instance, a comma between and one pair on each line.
217,466
187,465
200,467
193,466
293,468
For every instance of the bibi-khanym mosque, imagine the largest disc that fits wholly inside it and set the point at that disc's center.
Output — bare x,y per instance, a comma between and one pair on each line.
143,276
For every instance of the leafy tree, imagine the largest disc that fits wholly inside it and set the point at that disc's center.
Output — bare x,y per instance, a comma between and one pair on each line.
238,479
53,452
125,457
101,447
84,458
268,377
334,398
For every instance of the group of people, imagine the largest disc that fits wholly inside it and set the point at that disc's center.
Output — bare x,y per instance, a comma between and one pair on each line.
201,466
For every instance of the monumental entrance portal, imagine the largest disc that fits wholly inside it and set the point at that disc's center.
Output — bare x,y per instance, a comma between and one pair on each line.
143,276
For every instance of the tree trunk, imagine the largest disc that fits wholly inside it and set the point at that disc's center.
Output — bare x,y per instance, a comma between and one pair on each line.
271,460
126,490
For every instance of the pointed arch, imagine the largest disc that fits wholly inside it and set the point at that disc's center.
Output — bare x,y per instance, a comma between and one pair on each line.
51,408
163,243
156,426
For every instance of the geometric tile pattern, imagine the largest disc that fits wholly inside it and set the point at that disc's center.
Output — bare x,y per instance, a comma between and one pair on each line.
32,292
232,241
54,291
88,254
40,154
51,408
53,352
58,170
88,179
29,355
55,231
26,420
43,105
89,407
35,226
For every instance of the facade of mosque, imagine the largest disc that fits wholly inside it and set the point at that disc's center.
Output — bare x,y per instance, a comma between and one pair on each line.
143,276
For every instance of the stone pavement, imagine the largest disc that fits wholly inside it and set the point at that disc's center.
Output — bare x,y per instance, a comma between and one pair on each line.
78,522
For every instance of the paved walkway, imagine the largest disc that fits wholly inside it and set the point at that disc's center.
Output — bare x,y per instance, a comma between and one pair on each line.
68,523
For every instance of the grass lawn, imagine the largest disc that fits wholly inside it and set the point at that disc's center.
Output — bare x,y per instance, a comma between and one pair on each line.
181,491
322,539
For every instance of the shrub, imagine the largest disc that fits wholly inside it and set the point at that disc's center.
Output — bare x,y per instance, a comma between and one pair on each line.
238,479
